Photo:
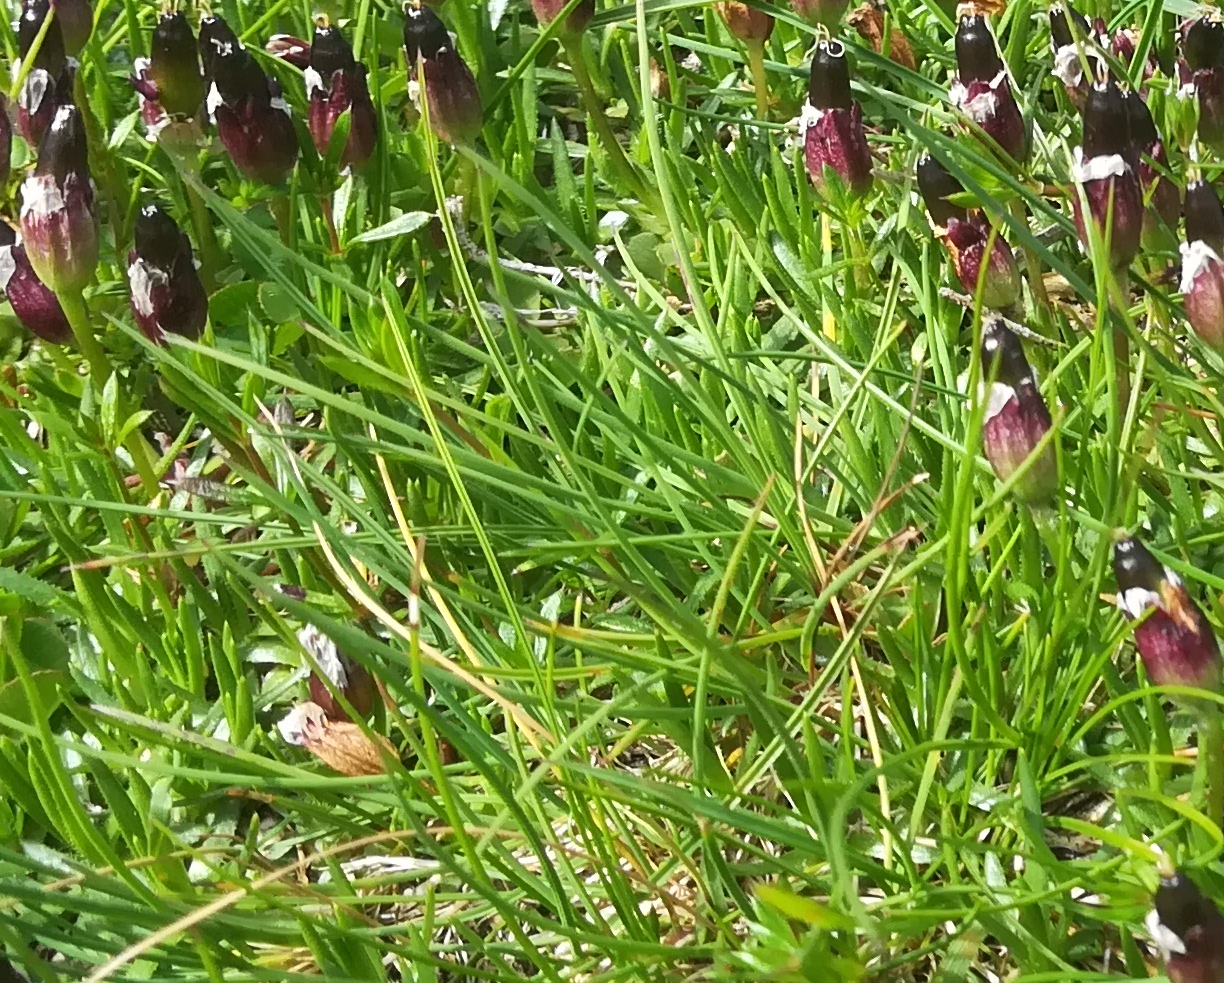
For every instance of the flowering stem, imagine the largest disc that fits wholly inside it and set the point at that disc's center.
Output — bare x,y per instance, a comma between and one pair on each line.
760,87
77,313
594,108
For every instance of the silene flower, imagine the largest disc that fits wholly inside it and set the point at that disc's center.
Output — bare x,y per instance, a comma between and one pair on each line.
59,224
1075,45
33,302
48,80
167,295
349,677
1202,283
1016,417
169,83
870,20
335,84
1161,196
832,123
251,116
982,90
1201,75
1107,183
1188,929
451,95
1174,639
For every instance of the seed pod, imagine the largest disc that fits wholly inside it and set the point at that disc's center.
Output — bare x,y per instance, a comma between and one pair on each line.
832,123
349,677
1202,283
547,11
1173,637
1102,168
1149,159
252,119
869,20
167,295
451,94
966,241
34,303
48,82
1016,418
750,25
59,224
1072,39
342,746
981,89
821,12
936,186
76,23
1189,931
336,83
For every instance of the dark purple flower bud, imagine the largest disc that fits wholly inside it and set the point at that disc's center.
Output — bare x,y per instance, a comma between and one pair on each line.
826,12
832,123
1203,43
966,241
34,303
1173,637
1067,25
424,35
936,186
451,94
1016,418
349,677
1071,37
335,83
76,23
1209,86
1189,931
174,66
547,11
252,119
167,295
287,48
1202,283
982,90
1110,184
59,224
44,86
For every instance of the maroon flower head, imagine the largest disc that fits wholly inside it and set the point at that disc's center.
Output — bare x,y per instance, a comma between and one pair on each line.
750,25
34,303
1202,283
451,93
252,119
48,81
289,49
966,241
1189,931
547,11
936,186
1209,87
1174,640
167,295
1202,43
1016,418
336,83
59,225
174,66
982,91
1110,184
834,138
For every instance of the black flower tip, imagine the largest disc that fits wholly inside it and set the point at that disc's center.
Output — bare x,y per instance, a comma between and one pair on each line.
1061,19
8,235
217,40
424,33
172,37
829,86
229,65
1204,214
1134,566
1106,121
1143,132
174,65
1003,356
1182,907
977,56
1203,44
64,150
51,55
936,185
156,236
330,52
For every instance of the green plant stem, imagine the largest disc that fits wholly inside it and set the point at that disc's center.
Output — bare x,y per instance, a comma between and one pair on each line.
621,164
760,85
206,239
1211,746
1032,266
77,313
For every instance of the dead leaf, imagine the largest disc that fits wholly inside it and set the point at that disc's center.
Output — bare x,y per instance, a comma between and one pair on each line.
342,746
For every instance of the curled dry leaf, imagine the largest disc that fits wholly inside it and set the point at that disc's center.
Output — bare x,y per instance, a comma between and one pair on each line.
868,20
342,746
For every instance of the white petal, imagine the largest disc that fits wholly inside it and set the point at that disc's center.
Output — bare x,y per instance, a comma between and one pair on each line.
303,725
1097,168
323,648
142,278
1195,257
999,396
40,196
313,81
1165,938
8,266
1134,602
